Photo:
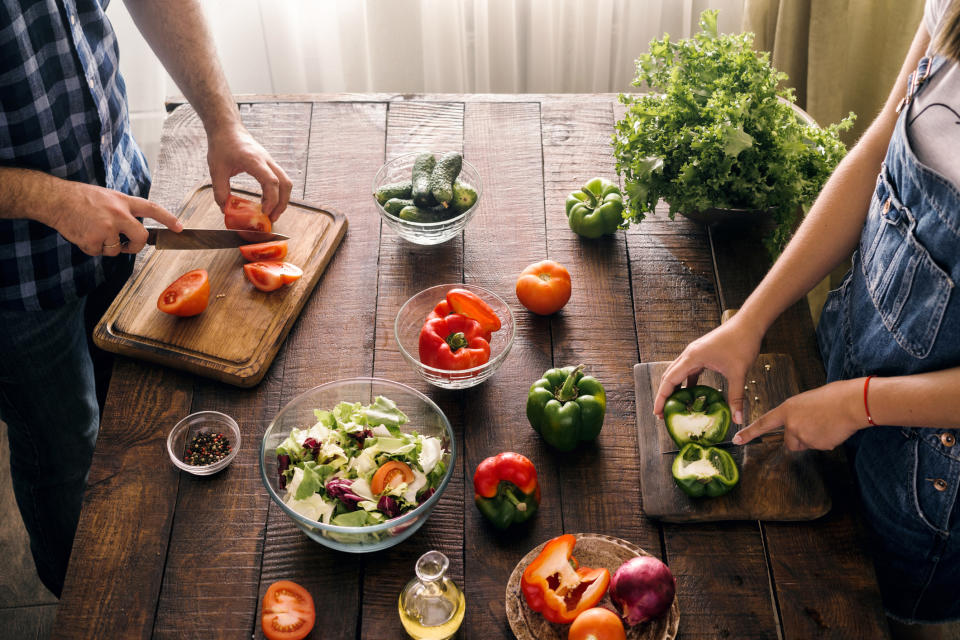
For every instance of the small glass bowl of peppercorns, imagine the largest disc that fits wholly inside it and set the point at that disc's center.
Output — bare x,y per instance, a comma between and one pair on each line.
203,443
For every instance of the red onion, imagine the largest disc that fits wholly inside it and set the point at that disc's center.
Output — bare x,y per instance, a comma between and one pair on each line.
642,589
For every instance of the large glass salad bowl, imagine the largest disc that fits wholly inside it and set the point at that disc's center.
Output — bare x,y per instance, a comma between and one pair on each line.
358,464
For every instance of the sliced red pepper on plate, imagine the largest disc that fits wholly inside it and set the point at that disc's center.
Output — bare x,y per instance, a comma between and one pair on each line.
469,304
454,343
556,587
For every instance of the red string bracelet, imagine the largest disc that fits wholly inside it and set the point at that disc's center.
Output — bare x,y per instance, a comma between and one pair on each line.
866,406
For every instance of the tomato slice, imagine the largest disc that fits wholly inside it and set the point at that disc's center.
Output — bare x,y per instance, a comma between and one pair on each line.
186,296
240,213
276,250
469,304
389,475
270,275
287,612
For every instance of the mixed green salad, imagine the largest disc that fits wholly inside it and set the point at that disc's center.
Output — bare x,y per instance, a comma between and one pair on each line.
356,468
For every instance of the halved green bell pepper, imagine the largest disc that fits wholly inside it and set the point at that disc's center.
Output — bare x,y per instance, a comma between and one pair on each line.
705,471
698,414
596,210
566,407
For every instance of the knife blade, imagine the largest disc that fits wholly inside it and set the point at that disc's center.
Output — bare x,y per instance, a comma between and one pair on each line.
207,238
767,438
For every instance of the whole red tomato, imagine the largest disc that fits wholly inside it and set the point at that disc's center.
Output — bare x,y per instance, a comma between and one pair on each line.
597,624
544,287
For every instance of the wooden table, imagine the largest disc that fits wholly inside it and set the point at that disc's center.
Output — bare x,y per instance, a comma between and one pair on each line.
163,554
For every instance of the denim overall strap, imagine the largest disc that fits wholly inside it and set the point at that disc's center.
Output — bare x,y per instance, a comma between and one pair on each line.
897,313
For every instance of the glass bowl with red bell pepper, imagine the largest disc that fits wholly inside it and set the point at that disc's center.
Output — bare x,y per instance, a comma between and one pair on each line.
455,336
358,464
429,224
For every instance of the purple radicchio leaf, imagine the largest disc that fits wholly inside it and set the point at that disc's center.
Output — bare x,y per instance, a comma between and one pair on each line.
340,489
313,446
389,506
361,436
425,495
283,463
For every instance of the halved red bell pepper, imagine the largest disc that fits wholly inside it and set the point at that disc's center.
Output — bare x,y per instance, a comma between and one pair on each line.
453,342
505,489
444,308
555,586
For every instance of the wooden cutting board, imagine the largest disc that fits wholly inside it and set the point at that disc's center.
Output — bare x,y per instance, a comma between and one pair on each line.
236,338
775,484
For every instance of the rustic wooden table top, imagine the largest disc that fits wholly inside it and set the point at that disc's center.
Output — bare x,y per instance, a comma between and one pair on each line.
162,554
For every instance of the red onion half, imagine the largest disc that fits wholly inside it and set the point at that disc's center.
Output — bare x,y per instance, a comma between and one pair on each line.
642,589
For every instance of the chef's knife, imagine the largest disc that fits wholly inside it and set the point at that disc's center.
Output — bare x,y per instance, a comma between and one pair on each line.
772,436
207,238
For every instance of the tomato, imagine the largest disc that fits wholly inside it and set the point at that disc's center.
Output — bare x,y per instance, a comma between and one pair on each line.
469,304
287,612
597,624
389,475
244,214
544,287
270,275
276,250
188,295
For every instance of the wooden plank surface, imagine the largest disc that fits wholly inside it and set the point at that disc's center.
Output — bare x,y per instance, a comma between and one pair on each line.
775,484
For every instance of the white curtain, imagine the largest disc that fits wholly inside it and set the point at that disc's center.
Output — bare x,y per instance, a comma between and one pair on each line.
416,46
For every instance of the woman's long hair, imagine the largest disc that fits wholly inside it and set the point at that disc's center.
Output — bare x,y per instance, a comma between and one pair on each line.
948,38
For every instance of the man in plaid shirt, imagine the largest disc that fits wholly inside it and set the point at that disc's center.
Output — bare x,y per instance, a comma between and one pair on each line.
72,187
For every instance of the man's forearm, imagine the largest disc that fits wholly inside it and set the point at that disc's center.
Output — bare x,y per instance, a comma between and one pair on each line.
29,194
177,32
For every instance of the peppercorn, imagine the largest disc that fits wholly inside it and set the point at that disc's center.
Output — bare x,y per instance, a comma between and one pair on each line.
207,448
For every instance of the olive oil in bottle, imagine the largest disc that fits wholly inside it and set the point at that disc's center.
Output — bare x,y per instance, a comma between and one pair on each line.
431,605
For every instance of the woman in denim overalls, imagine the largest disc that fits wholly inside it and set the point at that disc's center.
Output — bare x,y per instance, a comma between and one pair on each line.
890,340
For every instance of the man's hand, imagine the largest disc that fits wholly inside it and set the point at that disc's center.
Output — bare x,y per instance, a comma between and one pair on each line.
231,151
821,418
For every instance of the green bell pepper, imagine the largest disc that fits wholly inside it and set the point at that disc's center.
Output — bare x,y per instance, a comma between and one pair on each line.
506,489
705,471
697,414
596,210
566,407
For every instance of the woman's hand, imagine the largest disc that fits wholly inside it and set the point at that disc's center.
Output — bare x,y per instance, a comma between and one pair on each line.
821,418
730,350
95,218
231,150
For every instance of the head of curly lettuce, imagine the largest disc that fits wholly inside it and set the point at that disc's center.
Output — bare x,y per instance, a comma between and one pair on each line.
717,130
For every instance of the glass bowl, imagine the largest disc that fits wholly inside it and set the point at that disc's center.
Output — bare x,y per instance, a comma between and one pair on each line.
398,170
202,422
412,315
424,417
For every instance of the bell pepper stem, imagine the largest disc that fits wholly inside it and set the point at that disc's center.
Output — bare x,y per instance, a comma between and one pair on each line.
593,198
699,404
520,506
457,340
569,391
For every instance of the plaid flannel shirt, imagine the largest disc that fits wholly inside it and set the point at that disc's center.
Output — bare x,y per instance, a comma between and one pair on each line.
63,111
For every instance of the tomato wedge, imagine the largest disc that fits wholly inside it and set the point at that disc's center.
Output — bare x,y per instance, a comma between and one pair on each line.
270,275
469,304
276,250
240,213
389,475
287,612
186,296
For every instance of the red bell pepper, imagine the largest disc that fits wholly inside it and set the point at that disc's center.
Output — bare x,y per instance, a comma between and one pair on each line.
505,489
469,304
453,342
555,586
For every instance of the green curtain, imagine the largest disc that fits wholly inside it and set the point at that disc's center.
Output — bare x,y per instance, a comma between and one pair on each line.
841,56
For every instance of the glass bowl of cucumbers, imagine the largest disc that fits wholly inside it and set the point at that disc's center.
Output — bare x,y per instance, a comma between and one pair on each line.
427,197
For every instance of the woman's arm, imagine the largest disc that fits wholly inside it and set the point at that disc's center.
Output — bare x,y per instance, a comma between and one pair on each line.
827,235
177,32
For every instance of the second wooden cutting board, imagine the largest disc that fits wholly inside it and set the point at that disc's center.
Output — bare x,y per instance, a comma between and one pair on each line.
775,484
236,338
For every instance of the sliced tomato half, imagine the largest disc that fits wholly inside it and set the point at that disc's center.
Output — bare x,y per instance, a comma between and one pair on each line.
276,250
288,612
188,295
389,475
270,275
246,215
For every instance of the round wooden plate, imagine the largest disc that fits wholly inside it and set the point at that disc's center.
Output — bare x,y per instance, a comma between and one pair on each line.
592,550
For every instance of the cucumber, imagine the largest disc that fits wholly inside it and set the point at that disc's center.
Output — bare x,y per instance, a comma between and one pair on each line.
393,190
414,213
394,205
444,173
464,196
422,170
